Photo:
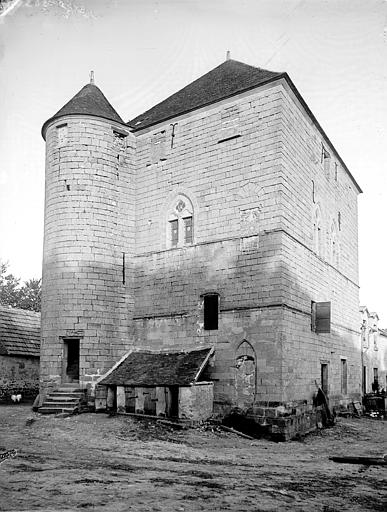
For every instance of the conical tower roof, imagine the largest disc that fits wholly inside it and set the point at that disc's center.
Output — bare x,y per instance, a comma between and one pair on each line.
90,101
229,78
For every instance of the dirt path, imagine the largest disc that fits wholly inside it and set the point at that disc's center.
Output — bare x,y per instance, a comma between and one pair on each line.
97,462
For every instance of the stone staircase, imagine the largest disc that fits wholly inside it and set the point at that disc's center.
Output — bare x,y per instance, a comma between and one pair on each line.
68,398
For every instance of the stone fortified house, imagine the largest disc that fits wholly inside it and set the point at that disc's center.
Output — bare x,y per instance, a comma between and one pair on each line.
221,223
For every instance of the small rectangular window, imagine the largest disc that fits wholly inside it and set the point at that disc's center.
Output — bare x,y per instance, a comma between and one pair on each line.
211,312
174,232
229,127
188,230
321,317
324,378
62,134
336,171
326,160
158,141
344,388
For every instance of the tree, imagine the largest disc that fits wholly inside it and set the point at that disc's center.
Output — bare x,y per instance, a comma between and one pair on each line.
26,296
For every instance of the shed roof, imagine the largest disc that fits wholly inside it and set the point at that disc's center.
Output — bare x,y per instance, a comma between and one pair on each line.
90,100
19,332
145,368
229,78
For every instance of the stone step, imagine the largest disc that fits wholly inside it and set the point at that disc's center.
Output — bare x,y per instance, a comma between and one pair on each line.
69,390
61,394
60,403
67,398
61,398
56,410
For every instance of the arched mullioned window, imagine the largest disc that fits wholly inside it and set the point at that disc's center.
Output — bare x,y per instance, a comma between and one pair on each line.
317,231
180,222
334,245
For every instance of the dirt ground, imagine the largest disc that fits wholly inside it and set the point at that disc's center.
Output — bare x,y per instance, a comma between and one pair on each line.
97,462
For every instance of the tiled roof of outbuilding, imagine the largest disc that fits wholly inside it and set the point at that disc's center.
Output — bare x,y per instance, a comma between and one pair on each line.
229,78
159,368
91,101
19,332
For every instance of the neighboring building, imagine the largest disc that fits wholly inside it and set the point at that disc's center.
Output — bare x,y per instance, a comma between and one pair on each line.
19,353
374,352
223,217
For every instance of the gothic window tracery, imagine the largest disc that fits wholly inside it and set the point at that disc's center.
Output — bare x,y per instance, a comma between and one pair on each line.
180,222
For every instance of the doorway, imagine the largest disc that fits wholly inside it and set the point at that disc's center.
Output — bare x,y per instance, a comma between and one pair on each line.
364,382
324,378
70,371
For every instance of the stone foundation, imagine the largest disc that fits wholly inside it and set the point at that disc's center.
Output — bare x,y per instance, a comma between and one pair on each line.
284,422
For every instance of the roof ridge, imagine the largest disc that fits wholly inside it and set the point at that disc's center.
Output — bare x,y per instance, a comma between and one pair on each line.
229,78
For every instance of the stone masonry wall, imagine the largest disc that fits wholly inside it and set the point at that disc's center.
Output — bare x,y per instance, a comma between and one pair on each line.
196,402
253,200
89,225
19,375
234,186
313,273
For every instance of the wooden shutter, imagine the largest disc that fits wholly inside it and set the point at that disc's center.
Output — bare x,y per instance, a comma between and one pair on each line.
323,316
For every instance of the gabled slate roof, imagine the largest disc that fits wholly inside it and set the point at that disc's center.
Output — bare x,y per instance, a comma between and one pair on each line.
89,100
229,78
145,368
19,332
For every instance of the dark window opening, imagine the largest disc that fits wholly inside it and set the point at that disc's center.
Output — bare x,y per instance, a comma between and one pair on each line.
344,378
211,312
188,238
375,384
119,135
174,232
324,378
321,317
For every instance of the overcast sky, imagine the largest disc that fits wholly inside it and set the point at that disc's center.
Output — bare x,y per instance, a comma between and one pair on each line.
142,51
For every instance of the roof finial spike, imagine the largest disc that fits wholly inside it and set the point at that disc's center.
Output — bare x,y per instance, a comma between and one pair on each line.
92,77
228,55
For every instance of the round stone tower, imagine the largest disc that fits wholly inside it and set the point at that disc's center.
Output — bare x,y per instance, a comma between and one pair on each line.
87,306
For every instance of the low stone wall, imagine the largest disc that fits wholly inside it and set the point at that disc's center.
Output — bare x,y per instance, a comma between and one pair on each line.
287,421
19,375
196,402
